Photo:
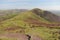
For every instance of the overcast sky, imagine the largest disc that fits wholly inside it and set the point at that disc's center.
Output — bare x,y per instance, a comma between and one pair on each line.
30,4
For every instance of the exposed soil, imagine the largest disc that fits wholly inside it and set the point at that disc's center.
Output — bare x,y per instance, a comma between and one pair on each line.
19,36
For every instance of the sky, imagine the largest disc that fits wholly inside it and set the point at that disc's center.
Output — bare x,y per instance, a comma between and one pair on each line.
30,4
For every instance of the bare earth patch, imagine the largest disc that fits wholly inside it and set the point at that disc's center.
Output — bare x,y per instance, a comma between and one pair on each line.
20,36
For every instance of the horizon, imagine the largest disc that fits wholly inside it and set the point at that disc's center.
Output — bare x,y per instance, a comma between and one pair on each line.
30,4
28,9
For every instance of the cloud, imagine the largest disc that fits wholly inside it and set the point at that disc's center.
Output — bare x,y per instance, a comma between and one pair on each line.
54,7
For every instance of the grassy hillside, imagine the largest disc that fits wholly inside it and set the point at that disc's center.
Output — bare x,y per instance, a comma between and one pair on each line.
23,19
31,24
7,14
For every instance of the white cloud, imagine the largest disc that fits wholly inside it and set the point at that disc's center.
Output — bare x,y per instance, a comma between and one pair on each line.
51,7
55,7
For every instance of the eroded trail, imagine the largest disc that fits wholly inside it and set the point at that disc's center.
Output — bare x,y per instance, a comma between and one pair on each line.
19,36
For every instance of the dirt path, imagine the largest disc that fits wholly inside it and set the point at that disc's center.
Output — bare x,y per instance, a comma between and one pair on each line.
19,36
34,37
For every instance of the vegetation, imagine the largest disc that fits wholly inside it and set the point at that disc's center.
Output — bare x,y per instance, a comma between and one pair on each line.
32,24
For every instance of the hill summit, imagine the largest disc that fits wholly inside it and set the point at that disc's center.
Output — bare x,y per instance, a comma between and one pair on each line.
46,15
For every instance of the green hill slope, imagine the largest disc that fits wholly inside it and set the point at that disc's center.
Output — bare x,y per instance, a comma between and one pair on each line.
29,23
7,14
24,18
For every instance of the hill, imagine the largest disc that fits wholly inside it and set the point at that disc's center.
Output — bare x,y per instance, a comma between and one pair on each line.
33,22
7,14
57,12
33,18
49,16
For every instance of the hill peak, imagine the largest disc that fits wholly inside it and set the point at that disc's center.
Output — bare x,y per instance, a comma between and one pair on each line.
37,10
47,15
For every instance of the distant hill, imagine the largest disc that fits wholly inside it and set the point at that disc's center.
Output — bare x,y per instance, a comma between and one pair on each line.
57,12
6,14
47,15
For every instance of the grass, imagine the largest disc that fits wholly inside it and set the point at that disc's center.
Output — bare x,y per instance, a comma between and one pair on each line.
43,32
